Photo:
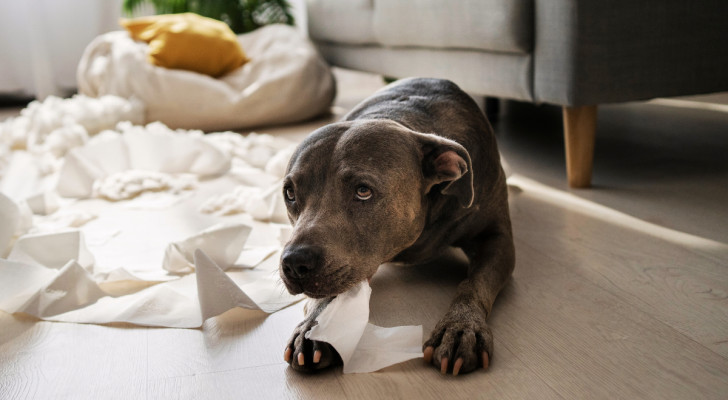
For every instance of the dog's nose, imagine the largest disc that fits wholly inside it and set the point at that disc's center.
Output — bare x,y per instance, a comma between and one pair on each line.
299,260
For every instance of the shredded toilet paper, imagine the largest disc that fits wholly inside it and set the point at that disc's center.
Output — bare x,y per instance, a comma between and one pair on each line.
263,205
16,220
222,243
56,119
39,282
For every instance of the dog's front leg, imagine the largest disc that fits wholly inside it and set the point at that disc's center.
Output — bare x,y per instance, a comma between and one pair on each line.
462,341
310,355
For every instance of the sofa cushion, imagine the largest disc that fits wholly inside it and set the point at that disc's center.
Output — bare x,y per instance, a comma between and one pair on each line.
341,21
188,41
492,25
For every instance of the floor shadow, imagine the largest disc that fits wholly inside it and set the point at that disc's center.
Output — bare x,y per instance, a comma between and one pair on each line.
661,164
416,294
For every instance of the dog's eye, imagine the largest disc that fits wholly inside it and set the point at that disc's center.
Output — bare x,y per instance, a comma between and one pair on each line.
363,193
290,195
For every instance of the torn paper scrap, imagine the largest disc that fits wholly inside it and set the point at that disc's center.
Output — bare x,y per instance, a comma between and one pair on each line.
70,294
43,292
60,220
136,240
223,243
256,150
364,347
269,205
37,122
120,282
264,205
43,203
15,220
171,304
53,250
342,323
277,164
131,183
25,176
229,203
10,217
19,282
153,148
381,347
250,257
219,292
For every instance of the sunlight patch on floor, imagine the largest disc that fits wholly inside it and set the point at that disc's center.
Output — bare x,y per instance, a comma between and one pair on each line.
574,203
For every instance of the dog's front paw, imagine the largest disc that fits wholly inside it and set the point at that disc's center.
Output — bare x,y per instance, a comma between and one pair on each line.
460,343
309,355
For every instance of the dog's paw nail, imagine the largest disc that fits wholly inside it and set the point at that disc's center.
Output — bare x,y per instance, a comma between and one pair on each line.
486,361
428,354
287,354
300,359
316,356
456,367
443,366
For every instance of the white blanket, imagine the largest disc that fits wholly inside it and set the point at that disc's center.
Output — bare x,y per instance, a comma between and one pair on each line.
284,81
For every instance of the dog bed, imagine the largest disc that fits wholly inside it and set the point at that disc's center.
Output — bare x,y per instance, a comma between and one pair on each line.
284,81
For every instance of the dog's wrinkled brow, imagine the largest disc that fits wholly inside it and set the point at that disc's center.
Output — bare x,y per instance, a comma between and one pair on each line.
353,175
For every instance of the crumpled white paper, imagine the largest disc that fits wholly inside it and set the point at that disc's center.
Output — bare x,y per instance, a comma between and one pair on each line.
221,243
53,250
131,183
10,217
364,347
15,220
35,282
50,124
26,176
151,148
263,205
43,203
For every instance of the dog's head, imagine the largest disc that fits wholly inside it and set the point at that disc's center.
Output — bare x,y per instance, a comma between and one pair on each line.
357,194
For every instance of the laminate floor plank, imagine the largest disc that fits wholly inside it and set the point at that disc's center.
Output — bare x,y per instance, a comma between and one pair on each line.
49,360
685,287
586,342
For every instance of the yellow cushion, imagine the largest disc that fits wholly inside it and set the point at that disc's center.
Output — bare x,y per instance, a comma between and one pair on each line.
188,41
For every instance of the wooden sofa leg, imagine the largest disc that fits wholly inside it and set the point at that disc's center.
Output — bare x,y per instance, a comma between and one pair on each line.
580,125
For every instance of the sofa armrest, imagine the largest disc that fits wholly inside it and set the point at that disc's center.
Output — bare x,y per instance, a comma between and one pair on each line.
592,52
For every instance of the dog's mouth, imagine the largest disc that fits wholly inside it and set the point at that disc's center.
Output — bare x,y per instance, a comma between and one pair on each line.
324,285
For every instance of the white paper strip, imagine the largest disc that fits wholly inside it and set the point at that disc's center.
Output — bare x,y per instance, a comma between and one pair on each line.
15,219
153,148
10,217
53,250
364,347
223,243
70,294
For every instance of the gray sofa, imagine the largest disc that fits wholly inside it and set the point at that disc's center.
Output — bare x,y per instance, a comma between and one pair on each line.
571,53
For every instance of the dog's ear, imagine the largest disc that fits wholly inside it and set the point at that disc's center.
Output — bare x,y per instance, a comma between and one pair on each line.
446,161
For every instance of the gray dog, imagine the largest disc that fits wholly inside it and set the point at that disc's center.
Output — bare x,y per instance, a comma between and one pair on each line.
408,173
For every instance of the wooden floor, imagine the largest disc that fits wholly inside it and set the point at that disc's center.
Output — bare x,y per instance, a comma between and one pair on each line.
620,291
